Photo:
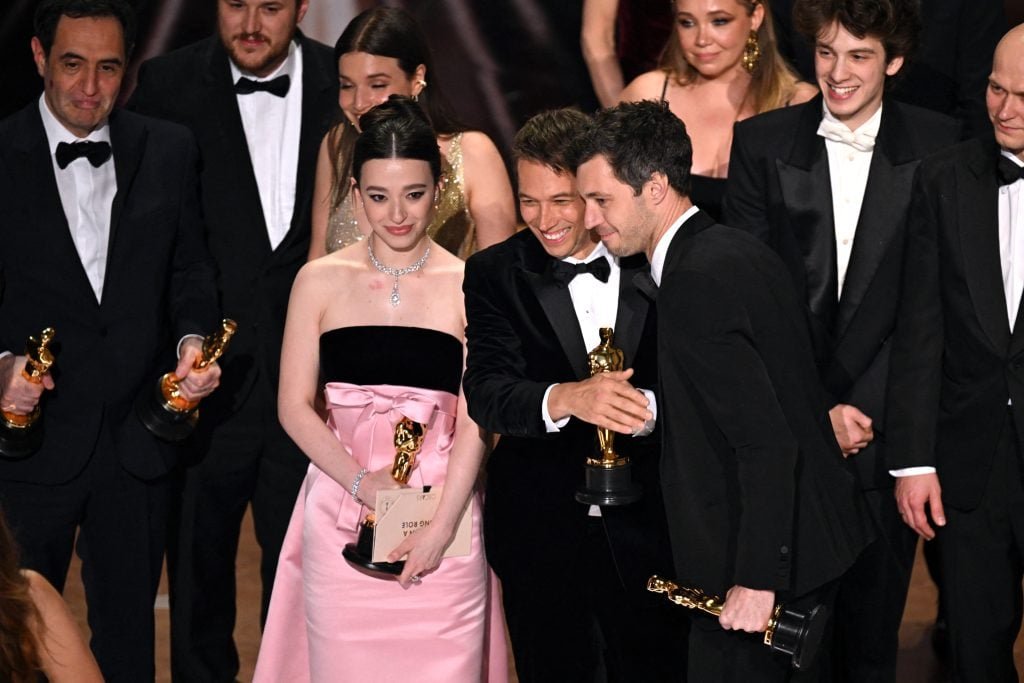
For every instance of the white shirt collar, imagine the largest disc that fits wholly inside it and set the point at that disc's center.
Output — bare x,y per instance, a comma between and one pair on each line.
56,133
598,250
661,250
869,127
1012,157
285,68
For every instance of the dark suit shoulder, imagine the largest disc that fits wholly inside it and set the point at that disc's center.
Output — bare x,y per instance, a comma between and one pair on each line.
184,61
776,119
974,153
167,131
505,254
732,257
927,131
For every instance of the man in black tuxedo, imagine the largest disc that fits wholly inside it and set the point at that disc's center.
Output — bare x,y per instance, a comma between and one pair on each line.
956,388
259,97
102,240
827,184
760,507
573,576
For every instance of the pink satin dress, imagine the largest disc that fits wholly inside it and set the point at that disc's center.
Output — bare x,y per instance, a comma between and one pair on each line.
328,621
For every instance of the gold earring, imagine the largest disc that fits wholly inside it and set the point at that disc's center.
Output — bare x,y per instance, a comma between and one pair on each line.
423,84
751,53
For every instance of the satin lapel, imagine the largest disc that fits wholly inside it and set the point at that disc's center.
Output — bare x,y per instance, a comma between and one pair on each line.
632,310
883,211
39,185
978,227
556,301
129,145
223,110
807,193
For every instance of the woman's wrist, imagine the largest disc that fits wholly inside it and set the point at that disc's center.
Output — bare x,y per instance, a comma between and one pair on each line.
356,483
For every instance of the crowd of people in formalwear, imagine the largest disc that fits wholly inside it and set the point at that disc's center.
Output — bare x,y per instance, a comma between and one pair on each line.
810,285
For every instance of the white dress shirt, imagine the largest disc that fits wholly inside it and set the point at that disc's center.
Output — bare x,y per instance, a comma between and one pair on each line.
661,248
272,127
86,194
848,173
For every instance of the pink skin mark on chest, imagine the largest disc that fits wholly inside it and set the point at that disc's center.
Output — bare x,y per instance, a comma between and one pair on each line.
377,284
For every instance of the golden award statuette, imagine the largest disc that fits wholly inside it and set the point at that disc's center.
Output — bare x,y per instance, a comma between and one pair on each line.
409,437
166,413
608,478
21,435
791,632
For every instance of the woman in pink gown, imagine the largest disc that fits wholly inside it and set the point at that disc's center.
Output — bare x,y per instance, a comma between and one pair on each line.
381,323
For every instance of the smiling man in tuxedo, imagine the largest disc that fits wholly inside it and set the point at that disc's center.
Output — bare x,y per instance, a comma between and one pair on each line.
259,97
572,575
102,241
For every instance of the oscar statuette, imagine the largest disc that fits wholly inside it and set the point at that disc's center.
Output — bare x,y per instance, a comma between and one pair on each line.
608,479
21,435
791,632
409,437
165,412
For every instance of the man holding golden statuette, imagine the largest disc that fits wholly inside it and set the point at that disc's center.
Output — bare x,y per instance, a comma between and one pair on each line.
20,430
792,632
409,437
608,478
168,413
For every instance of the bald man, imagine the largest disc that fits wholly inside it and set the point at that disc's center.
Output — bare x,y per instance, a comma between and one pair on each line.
957,376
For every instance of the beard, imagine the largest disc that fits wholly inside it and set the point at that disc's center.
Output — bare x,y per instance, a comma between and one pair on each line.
260,62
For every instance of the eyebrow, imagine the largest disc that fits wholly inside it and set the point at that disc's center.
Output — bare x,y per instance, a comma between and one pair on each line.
107,60
414,186
377,75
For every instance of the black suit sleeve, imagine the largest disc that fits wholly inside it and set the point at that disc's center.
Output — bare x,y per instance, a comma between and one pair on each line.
714,345
914,371
746,203
500,396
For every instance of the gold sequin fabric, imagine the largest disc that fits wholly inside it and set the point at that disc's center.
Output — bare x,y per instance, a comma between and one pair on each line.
452,226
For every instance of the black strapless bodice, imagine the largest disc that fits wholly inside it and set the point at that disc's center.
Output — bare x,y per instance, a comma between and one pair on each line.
400,356
707,193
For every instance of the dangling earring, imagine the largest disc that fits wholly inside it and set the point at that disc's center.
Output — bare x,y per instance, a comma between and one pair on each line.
423,84
751,53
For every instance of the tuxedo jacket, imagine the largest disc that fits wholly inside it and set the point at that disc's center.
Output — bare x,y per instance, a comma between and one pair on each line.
753,480
523,336
193,86
158,286
779,189
955,363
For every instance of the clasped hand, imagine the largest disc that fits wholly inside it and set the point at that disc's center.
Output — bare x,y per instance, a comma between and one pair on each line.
195,384
746,609
606,400
19,396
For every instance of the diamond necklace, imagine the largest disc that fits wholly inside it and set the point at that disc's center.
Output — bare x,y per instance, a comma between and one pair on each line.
396,272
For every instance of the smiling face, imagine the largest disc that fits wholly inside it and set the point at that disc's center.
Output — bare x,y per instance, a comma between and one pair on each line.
851,73
553,210
1004,97
398,198
82,74
256,33
368,80
713,33
613,212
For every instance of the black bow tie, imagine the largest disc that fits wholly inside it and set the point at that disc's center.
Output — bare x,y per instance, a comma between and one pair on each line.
1008,171
646,284
565,272
275,86
96,152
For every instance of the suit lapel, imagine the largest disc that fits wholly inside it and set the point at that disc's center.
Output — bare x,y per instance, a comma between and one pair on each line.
556,301
978,227
129,145
883,210
632,310
807,193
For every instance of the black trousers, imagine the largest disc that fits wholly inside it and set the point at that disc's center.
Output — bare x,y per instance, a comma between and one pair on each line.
982,568
121,524
249,459
583,627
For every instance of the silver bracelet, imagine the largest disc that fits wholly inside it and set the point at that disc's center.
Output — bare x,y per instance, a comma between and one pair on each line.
354,491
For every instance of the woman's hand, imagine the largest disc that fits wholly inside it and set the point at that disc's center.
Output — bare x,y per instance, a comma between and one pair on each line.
424,548
378,480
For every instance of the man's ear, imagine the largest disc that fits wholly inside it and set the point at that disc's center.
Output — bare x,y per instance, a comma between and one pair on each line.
657,187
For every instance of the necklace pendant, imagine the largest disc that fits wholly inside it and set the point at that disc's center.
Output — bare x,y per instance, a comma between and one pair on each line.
395,299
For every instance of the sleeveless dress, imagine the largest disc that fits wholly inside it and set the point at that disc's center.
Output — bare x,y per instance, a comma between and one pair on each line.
452,226
328,621
706,192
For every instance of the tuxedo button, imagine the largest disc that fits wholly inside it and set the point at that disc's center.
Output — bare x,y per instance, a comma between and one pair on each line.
784,550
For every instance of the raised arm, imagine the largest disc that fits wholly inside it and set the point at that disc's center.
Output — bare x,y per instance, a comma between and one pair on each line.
321,202
597,40
488,190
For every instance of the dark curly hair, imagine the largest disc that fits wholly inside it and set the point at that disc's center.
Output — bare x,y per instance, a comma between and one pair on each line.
49,12
896,23
638,139
19,650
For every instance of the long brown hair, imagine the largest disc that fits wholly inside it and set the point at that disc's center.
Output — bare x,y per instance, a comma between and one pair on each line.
386,32
19,618
774,82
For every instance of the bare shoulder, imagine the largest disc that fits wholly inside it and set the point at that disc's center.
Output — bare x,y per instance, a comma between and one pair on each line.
444,263
477,147
646,86
65,656
44,595
803,92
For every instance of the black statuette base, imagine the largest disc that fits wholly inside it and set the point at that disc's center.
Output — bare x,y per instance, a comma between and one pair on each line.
359,555
799,634
609,486
20,443
161,421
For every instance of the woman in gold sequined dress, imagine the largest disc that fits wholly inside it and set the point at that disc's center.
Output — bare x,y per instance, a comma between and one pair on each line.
383,52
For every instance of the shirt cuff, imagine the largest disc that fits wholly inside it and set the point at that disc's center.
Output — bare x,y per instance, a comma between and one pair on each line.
550,425
653,407
912,471
187,337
